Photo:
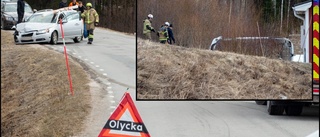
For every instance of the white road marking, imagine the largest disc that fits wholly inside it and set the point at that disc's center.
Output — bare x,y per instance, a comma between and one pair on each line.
97,66
111,96
110,92
112,101
85,59
109,87
105,74
108,83
101,69
92,62
74,53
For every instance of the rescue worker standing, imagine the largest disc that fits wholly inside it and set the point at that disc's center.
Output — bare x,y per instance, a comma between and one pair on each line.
63,4
73,3
147,28
163,33
81,7
20,10
171,39
91,19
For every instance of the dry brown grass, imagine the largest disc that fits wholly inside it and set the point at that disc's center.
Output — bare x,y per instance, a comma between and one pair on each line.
35,98
171,72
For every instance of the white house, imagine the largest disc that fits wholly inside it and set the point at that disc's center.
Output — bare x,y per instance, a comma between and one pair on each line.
303,11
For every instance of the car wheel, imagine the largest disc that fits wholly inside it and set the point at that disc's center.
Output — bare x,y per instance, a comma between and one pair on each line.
77,39
15,37
54,38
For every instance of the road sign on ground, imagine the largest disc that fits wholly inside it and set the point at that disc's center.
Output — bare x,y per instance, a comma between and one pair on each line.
125,121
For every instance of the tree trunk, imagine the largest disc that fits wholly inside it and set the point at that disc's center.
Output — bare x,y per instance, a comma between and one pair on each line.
281,16
243,6
230,15
288,14
275,7
110,13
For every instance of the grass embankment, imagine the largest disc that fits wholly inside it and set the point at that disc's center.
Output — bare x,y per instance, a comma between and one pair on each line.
171,72
35,98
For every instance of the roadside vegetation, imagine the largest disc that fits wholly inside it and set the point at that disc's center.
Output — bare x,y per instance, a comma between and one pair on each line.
35,94
239,69
174,72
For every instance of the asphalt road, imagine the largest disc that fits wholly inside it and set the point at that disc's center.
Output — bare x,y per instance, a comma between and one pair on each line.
112,57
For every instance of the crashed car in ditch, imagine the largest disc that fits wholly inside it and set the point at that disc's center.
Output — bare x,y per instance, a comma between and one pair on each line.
271,47
44,26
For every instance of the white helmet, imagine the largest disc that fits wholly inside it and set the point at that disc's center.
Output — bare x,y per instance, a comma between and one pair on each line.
167,23
150,16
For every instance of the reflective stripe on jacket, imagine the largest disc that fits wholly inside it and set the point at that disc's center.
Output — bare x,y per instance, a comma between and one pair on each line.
90,16
145,24
163,35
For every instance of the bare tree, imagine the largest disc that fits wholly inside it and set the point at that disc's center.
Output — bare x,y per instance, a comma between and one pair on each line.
281,16
275,7
288,14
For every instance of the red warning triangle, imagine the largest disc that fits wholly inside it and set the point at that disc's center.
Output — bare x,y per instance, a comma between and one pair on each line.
125,121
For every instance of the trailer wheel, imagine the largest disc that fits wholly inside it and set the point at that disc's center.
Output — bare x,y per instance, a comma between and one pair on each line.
261,102
274,109
294,110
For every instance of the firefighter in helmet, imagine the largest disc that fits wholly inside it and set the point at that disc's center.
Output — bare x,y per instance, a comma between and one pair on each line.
147,28
91,19
163,33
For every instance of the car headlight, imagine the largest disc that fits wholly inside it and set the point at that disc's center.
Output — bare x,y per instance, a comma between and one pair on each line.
9,18
43,31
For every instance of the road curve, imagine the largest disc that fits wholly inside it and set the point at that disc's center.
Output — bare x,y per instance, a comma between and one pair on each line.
223,119
113,53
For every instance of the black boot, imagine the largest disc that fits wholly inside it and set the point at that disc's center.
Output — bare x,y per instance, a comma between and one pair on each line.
90,40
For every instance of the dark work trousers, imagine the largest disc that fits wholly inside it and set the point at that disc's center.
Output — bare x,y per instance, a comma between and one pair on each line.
163,41
90,32
20,17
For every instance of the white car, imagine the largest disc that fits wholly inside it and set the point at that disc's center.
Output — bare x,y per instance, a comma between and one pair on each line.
44,26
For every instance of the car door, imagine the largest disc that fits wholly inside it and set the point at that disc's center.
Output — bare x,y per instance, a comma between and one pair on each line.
72,25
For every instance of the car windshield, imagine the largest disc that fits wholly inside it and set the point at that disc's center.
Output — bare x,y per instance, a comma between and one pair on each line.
12,7
45,17
27,8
